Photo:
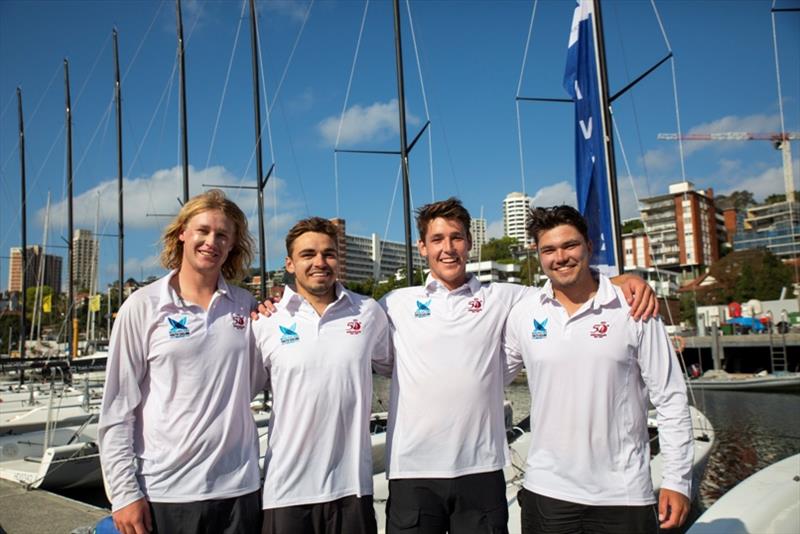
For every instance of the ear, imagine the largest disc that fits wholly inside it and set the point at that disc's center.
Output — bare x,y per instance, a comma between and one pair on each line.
423,250
289,265
181,236
590,246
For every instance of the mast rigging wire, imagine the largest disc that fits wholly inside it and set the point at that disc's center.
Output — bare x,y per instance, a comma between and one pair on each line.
344,106
291,55
519,89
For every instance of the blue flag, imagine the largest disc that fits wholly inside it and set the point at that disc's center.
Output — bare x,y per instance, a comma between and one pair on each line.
582,82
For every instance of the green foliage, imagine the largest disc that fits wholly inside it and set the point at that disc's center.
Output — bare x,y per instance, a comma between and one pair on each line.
499,249
738,199
744,275
687,307
630,226
774,199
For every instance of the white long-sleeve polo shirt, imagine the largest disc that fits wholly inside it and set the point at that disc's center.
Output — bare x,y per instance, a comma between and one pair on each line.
446,409
590,377
175,424
320,374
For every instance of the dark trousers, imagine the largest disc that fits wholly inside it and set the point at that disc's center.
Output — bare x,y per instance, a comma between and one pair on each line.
348,515
237,515
545,515
471,504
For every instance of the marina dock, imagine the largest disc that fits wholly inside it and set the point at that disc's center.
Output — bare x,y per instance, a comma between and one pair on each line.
36,511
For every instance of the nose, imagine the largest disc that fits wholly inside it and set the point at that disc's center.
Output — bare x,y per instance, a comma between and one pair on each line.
560,256
449,245
319,260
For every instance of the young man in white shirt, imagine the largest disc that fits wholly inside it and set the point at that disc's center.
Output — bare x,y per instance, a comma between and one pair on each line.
319,348
446,443
178,444
591,370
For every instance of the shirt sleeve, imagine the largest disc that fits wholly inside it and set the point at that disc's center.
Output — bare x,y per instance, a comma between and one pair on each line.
382,353
512,349
663,377
125,369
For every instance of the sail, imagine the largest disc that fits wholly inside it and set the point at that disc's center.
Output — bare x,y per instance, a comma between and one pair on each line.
592,182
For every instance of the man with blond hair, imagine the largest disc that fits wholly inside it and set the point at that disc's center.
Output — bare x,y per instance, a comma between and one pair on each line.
178,444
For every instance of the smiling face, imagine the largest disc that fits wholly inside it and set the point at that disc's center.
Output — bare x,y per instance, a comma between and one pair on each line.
314,261
207,239
564,255
446,247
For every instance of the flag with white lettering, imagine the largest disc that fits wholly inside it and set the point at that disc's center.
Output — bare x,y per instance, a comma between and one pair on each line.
581,80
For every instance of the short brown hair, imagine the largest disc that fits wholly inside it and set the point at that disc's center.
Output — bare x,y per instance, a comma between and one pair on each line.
312,224
543,219
446,209
237,264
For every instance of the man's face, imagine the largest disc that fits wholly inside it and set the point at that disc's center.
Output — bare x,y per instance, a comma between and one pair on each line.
446,246
314,263
207,238
564,255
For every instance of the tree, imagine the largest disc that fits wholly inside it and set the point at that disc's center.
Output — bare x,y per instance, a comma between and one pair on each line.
774,199
499,249
738,199
631,225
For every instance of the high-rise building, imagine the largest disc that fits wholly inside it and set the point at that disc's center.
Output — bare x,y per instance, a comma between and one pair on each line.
515,215
773,226
51,276
477,227
362,258
85,251
683,230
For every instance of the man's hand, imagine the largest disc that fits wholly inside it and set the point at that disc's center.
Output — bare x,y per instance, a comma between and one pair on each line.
266,308
673,508
639,295
134,518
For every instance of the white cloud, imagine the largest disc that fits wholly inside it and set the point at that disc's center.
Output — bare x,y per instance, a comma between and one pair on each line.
376,122
763,184
290,8
660,159
494,230
552,195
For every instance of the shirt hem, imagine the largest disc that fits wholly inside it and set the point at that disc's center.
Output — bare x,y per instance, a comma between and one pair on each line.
644,501
202,496
316,500
446,474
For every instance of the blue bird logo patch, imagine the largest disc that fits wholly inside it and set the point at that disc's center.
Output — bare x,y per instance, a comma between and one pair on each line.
178,328
289,334
539,329
423,309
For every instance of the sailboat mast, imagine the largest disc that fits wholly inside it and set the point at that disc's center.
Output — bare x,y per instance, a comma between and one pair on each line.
259,162
401,105
72,319
22,325
121,226
608,137
184,134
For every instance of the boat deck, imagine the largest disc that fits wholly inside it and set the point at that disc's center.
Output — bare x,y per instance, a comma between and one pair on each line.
32,512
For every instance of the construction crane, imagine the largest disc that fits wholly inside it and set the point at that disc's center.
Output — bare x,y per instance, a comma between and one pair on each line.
779,140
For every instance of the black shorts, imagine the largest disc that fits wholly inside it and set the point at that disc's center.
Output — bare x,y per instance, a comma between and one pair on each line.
237,515
348,515
471,504
545,515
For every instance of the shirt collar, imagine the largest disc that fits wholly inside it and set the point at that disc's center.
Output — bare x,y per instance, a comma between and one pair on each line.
604,296
168,296
292,300
432,285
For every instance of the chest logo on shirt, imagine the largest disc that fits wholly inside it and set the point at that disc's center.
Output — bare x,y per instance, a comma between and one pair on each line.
423,309
178,328
238,321
289,334
475,305
599,330
539,329
354,327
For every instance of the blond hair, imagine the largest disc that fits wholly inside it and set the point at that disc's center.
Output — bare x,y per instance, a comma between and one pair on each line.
237,264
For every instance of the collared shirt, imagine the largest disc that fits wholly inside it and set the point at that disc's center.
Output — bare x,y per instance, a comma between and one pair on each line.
590,377
320,372
446,408
175,424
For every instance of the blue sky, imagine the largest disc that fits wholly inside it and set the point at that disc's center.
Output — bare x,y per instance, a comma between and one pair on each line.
470,56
